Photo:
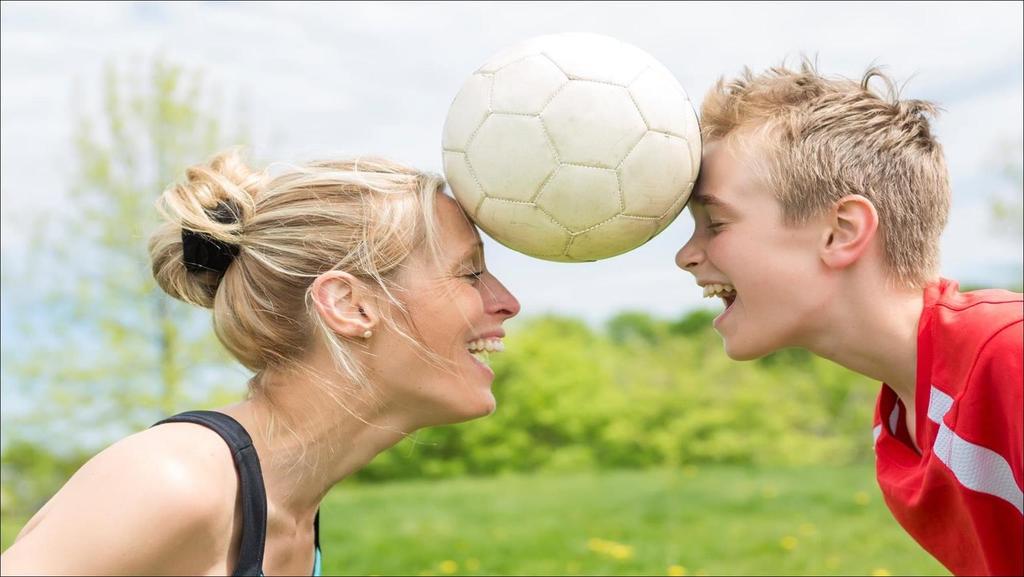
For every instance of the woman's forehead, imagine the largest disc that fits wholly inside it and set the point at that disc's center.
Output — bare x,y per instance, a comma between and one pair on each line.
458,234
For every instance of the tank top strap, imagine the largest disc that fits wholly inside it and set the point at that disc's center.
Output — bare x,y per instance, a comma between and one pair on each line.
252,492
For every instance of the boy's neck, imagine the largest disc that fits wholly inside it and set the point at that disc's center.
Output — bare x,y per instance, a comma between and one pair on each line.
875,333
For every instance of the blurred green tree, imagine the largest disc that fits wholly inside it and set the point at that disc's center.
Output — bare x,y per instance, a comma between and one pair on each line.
1007,204
1008,207
110,352
632,326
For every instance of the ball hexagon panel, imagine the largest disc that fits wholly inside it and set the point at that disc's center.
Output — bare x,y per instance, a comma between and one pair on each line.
511,156
595,57
523,226
526,85
655,174
671,214
462,182
509,55
663,104
619,235
593,124
473,103
576,212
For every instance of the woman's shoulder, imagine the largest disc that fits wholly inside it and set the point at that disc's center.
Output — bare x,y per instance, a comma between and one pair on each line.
165,495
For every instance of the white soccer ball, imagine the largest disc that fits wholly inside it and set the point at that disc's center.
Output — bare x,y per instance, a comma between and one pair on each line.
572,147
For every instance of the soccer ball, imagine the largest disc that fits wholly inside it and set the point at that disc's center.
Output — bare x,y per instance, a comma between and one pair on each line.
572,147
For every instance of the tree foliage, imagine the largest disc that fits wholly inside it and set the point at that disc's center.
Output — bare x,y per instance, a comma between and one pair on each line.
645,392
109,351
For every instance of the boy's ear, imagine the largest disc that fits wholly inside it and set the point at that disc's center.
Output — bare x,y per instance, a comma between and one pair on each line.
852,225
344,303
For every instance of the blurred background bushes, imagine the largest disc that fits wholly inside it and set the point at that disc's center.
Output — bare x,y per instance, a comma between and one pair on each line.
643,392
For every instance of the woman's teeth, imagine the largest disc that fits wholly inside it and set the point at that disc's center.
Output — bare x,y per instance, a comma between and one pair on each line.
481,348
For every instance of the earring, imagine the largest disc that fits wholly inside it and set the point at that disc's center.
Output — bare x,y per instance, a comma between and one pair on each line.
367,334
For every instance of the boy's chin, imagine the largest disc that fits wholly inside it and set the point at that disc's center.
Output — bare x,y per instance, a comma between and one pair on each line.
739,351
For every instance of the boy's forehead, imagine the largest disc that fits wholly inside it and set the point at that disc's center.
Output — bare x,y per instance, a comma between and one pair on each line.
726,172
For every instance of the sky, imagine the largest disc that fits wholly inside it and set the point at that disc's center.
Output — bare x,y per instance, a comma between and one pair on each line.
332,79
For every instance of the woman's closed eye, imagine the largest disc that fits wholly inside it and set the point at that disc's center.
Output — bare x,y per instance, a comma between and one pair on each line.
473,275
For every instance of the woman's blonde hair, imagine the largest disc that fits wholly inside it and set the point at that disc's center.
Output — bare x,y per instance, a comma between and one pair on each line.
364,216
819,139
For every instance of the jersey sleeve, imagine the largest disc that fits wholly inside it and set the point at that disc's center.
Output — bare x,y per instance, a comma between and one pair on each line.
992,411
986,451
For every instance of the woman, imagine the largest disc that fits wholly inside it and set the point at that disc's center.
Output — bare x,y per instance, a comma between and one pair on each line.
357,293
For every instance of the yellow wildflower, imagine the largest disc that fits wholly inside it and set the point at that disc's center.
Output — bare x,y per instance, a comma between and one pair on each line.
861,498
880,572
610,548
621,551
448,567
788,542
676,570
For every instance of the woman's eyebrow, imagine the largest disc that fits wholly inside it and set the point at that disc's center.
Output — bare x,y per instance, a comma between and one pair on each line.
474,251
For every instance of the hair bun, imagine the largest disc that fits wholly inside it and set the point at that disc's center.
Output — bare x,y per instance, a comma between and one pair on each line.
204,218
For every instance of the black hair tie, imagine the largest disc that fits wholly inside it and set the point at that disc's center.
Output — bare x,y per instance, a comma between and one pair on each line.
203,252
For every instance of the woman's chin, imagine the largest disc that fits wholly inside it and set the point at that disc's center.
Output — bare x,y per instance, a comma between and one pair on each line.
466,408
483,405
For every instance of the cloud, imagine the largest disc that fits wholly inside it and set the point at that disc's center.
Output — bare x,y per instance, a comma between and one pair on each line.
349,78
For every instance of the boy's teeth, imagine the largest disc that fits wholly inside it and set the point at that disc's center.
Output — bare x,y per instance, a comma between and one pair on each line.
712,290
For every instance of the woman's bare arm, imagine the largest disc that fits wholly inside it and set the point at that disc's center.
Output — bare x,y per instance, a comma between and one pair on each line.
157,502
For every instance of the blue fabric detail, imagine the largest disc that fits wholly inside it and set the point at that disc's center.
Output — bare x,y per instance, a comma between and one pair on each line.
317,571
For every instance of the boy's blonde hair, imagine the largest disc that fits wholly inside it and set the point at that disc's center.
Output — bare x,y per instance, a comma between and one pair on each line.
364,216
820,139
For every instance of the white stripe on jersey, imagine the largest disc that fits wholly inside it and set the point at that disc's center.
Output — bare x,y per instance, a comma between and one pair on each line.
894,419
976,467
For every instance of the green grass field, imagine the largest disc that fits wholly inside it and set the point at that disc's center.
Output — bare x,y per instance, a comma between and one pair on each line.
693,521
721,520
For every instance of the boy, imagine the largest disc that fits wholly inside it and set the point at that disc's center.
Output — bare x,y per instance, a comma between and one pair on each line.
817,220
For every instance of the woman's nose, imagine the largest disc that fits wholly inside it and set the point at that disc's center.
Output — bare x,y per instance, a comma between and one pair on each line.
499,300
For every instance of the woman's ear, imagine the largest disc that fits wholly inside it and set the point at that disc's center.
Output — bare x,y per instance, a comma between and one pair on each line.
345,304
851,228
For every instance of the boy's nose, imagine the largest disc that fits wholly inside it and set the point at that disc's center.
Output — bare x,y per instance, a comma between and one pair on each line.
689,256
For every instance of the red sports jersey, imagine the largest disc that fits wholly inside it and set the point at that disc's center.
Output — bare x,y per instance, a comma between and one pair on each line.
960,497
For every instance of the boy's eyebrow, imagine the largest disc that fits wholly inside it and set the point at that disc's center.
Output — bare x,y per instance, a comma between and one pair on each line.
710,200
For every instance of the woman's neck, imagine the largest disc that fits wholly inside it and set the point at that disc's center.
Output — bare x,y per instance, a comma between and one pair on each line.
309,437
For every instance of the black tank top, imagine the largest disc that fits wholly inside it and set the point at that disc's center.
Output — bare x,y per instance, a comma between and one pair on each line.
250,487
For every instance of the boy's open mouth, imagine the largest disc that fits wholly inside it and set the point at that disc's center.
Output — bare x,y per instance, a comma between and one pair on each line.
726,292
